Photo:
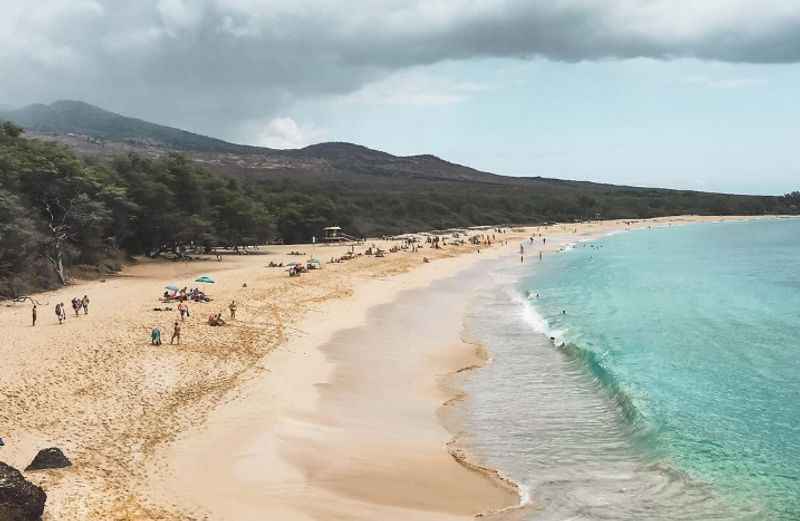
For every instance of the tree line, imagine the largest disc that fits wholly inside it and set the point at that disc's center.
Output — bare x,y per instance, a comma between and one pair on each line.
60,213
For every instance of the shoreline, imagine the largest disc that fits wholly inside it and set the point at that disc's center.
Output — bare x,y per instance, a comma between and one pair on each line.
179,391
309,419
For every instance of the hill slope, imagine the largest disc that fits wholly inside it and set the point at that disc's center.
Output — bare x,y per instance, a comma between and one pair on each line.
77,117
368,190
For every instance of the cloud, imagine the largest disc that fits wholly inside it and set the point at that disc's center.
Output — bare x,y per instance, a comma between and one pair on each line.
724,83
284,132
414,87
209,65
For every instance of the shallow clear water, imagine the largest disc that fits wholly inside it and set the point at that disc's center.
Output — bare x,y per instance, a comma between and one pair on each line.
674,392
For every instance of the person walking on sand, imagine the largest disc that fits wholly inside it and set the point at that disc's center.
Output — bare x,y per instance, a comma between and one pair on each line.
183,309
232,309
155,336
59,312
33,315
176,333
85,304
76,305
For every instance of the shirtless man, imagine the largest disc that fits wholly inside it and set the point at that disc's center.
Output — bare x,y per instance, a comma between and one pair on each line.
176,333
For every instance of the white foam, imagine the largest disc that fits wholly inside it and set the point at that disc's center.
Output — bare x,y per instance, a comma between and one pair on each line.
537,322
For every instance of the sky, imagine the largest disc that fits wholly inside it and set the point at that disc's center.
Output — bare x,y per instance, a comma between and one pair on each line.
698,94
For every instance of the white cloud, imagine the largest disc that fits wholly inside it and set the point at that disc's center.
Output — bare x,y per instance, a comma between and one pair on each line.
283,132
415,87
209,65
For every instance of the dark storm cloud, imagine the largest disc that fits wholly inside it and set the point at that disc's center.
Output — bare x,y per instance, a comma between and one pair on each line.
211,64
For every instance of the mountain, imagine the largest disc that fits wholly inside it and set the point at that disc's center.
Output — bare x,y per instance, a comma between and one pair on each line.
380,192
93,130
77,117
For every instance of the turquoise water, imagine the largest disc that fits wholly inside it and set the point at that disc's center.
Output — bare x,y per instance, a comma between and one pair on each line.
673,387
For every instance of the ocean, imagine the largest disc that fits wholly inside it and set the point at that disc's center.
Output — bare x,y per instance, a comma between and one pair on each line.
648,375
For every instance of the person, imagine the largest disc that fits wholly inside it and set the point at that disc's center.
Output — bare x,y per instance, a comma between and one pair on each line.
232,308
183,309
63,312
85,304
76,305
155,336
540,256
176,333
33,315
521,259
59,311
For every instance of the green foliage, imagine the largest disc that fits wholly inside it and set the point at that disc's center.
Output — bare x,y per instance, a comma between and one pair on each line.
57,211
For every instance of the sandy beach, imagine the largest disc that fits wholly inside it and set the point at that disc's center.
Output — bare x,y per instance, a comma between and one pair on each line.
329,397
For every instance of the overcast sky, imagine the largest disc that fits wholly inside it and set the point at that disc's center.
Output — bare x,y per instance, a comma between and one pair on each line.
681,93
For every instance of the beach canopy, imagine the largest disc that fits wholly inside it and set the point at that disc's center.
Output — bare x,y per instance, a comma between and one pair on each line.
171,287
205,279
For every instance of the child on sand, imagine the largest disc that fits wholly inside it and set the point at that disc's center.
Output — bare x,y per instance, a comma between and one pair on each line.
176,333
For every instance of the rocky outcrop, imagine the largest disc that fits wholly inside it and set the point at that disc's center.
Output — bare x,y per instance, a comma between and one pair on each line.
20,500
51,458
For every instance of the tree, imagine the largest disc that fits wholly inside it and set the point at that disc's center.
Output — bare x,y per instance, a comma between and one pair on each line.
66,220
10,129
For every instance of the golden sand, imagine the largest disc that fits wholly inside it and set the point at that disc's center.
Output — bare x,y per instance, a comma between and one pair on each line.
141,423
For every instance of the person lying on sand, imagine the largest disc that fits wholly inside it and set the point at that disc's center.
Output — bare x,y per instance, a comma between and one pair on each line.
216,319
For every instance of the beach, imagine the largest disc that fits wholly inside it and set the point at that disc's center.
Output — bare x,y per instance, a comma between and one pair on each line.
331,396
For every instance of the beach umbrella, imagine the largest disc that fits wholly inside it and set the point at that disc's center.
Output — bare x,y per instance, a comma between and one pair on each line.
205,279
171,287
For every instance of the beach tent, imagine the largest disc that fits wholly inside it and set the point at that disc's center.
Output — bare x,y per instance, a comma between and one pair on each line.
205,279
